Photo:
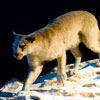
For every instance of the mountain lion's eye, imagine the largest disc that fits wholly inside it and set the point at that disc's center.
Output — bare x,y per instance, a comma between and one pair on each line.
21,46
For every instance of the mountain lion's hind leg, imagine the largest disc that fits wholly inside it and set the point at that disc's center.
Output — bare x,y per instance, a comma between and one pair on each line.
93,43
78,56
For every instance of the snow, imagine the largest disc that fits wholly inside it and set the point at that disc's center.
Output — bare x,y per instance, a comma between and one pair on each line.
83,86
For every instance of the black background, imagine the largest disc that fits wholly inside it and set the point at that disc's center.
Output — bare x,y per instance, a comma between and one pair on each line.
24,17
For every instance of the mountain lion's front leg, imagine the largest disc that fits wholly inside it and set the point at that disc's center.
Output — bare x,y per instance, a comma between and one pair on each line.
61,77
32,76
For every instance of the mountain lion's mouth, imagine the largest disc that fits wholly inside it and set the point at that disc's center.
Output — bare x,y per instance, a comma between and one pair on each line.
19,56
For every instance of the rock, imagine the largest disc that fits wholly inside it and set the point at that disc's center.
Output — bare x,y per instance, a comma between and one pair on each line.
87,94
22,98
84,85
35,98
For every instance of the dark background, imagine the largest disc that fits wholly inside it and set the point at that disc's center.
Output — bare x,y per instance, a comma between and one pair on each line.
24,18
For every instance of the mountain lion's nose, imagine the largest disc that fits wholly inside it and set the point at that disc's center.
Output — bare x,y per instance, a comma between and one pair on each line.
16,54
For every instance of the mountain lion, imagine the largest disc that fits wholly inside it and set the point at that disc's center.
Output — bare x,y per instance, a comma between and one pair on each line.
63,33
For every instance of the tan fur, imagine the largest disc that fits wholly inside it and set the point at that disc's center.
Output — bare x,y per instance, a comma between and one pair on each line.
60,35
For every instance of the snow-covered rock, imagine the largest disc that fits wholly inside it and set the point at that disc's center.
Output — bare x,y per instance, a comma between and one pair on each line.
83,86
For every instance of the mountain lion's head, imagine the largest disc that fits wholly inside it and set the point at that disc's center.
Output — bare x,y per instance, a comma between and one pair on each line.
22,45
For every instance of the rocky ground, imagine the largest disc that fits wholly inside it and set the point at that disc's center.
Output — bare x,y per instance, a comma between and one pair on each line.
83,86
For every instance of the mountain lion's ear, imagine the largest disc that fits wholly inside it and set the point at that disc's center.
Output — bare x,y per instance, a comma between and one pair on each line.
20,35
14,34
